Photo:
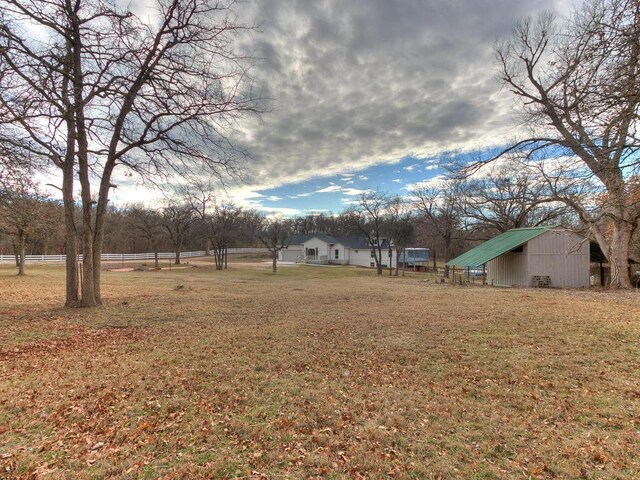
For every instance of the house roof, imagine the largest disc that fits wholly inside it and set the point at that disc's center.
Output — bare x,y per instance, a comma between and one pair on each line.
354,241
299,239
497,246
359,242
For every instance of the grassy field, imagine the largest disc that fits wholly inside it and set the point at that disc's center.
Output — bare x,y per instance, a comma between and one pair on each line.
315,373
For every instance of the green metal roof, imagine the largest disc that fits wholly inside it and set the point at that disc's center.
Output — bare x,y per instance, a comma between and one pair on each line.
496,246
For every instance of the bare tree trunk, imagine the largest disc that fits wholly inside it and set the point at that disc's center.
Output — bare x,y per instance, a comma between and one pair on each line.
177,262
378,258
618,255
16,253
98,236
68,177
87,298
219,256
226,257
447,254
275,261
71,240
156,262
21,242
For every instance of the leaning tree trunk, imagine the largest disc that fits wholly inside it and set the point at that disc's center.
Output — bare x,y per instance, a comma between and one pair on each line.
98,236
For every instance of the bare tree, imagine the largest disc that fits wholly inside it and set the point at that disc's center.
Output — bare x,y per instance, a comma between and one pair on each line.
22,211
275,234
177,221
577,84
400,225
200,196
224,226
100,89
509,195
368,218
148,224
438,207
50,234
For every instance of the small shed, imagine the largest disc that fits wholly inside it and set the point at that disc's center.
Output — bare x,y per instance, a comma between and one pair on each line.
540,256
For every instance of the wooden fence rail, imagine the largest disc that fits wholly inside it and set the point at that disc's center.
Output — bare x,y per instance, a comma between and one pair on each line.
126,256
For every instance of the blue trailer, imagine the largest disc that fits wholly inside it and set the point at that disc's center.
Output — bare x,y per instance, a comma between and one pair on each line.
414,258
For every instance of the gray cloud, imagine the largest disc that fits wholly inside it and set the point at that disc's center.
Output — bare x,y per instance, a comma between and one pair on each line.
364,81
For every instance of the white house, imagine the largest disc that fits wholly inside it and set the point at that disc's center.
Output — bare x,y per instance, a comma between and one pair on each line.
326,249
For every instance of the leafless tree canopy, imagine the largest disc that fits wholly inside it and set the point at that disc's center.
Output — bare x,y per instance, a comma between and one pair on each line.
178,220
147,224
24,211
400,225
274,234
369,218
577,84
226,225
510,195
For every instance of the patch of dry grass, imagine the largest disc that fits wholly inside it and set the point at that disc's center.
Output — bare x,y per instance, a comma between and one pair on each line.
315,372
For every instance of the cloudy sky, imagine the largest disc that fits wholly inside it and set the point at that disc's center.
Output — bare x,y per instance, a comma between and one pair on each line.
369,94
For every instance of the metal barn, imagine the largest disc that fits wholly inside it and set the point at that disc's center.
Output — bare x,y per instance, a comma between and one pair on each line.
530,257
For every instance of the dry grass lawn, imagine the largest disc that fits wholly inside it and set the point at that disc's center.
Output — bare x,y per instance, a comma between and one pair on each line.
315,373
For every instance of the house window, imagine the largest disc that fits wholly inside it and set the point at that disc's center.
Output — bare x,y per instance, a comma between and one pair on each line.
373,254
337,254
372,264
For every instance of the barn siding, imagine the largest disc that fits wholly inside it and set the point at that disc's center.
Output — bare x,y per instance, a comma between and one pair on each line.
509,269
561,255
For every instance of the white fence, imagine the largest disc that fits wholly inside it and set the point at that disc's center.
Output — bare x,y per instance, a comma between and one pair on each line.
123,257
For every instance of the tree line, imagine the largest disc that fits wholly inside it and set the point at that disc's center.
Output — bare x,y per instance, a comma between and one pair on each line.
447,215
